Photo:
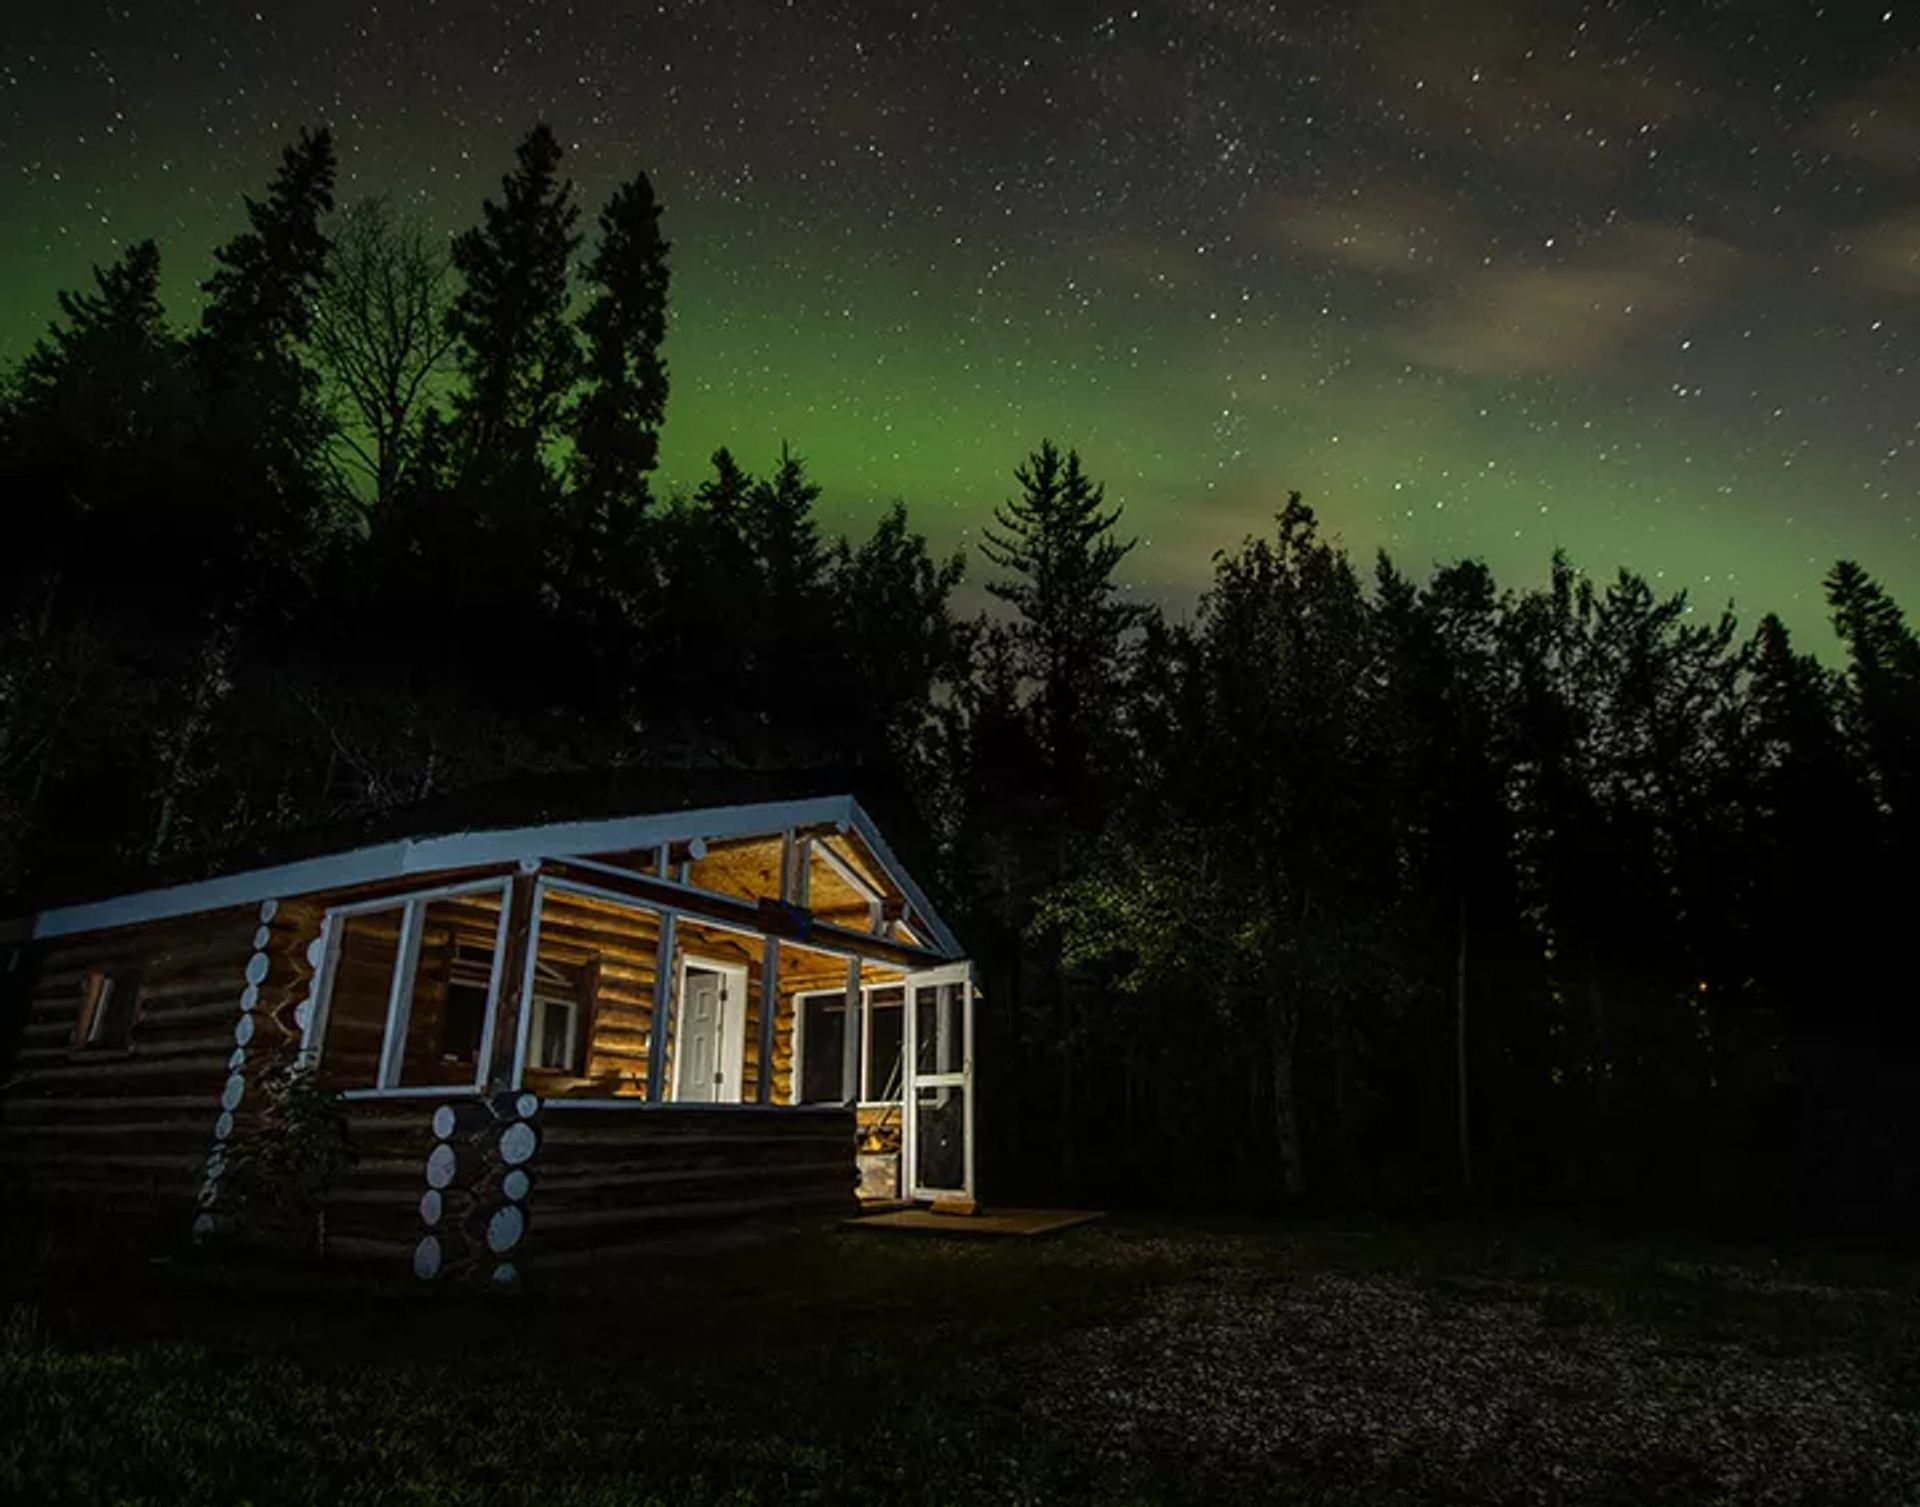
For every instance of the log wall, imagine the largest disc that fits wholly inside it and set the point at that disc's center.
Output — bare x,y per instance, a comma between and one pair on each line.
624,940
613,1181
136,1134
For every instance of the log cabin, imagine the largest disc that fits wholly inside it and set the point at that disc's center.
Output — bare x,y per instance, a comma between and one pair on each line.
551,1044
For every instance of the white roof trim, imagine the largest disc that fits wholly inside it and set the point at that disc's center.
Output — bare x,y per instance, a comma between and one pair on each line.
877,845
427,855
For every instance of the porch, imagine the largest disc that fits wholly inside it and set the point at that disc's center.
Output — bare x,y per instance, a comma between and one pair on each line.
594,1053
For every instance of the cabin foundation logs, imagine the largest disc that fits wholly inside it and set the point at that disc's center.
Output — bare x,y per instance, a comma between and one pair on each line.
479,1182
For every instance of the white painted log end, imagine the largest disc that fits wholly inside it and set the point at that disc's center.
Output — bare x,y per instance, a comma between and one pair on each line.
506,1277
697,847
268,910
431,1206
444,1122
505,1229
249,997
441,1166
209,1191
257,967
303,1016
216,1164
518,1142
243,1030
316,950
234,1092
236,1059
261,937
427,1258
527,1106
202,1226
223,1127
516,1185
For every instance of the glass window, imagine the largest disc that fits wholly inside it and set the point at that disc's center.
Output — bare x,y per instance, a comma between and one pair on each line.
562,998
108,1009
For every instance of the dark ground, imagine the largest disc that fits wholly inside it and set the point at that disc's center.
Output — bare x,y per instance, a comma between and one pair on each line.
1130,1362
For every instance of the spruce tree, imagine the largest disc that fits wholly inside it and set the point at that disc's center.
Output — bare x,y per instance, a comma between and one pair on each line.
95,436
1056,542
779,527
904,646
616,421
513,345
264,429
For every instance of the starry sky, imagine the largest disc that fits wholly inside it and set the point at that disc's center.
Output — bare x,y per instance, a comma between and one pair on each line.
1639,281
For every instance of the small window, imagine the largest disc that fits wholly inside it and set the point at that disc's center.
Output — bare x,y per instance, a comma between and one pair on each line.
468,983
108,1009
562,1011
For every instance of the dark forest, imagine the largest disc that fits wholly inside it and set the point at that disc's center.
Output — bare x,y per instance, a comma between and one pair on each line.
1354,885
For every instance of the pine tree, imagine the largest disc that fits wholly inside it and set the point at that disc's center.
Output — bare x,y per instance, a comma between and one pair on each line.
1883,687
514,347
616,421
904,646
264,429
1056,540
260,304
96,430
1070,633
779,527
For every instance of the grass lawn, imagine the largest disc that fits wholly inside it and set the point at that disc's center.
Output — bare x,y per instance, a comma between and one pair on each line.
1129,1362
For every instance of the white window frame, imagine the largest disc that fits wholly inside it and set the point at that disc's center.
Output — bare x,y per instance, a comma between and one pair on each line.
539,1001
400,988
866,1040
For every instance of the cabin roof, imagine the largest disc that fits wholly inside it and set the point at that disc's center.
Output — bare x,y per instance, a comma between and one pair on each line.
442,838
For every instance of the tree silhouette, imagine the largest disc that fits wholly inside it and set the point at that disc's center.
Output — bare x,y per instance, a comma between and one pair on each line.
514,347
616,420
380,333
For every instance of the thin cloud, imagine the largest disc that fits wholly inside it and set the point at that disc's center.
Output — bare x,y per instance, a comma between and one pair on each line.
1508,321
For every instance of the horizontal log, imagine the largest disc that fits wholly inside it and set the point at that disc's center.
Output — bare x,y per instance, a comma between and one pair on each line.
557,1186
197,1125
365,1248
552,1228
115,1066
19,1106
185,1162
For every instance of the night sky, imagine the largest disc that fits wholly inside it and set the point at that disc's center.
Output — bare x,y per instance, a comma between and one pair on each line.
1642,282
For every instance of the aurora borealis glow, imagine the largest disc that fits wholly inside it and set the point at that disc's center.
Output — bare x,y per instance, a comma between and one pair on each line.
1641,282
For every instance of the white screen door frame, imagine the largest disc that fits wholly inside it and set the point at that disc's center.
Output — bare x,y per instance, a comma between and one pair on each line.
951,1061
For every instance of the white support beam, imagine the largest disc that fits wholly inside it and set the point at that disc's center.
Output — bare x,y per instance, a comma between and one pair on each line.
855,1029
393,1047
769,1008
663,969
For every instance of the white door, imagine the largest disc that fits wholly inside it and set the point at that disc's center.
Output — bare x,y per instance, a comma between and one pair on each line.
696,1064
938,1083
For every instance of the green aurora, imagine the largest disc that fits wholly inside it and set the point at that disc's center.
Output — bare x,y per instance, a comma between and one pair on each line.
1721,403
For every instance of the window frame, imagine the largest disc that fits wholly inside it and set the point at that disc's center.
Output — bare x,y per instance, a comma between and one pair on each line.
401,986
98,989
800,996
